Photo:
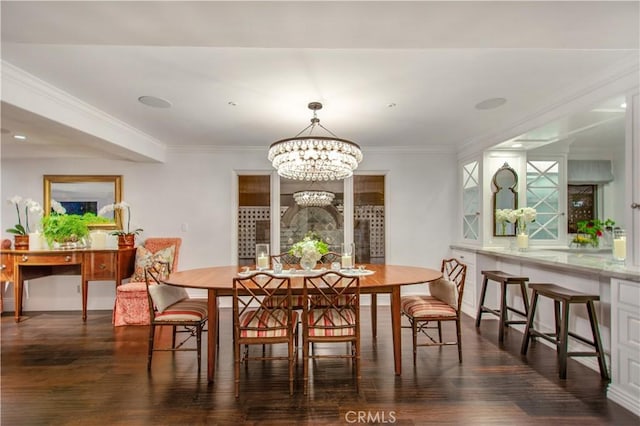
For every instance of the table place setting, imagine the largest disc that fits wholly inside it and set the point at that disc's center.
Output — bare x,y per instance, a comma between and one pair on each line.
359,271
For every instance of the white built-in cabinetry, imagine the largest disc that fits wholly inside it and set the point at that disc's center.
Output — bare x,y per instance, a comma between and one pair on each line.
469,295
625,344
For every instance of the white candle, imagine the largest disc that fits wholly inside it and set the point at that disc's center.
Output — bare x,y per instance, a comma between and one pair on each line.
522,241
347,261
98,240
620,248
263,261
35,241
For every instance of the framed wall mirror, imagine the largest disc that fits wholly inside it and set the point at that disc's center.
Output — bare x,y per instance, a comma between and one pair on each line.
80,194
505,197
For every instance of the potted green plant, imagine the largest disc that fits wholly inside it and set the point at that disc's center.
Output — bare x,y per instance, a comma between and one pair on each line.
65,230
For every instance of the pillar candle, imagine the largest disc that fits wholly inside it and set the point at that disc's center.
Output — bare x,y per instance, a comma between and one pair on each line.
522,241
263,261
620,248
347,261
98,240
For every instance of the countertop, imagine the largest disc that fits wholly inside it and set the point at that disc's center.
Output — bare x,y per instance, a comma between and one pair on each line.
600,263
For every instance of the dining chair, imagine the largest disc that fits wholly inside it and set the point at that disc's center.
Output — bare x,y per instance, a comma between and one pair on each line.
331,314
444,303
328,258
286,260
131,306
172,306
258,323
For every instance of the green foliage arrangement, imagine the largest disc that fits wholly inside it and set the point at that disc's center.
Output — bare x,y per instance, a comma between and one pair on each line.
63,228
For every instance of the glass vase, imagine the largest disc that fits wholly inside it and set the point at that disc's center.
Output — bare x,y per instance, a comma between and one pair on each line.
307,263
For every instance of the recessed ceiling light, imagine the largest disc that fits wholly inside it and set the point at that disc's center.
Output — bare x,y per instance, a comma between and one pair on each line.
516,145
154,102
623,105
20,137
491,103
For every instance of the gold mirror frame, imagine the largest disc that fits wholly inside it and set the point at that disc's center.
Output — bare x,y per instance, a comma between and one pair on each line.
505,174
116,180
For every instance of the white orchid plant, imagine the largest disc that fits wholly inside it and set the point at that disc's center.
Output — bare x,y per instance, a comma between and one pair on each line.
29,206
121,206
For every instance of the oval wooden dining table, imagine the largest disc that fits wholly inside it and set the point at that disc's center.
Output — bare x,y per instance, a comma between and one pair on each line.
386,279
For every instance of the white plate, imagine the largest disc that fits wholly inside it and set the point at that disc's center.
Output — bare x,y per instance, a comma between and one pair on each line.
359,272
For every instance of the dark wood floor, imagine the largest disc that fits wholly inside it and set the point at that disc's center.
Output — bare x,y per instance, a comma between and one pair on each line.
57,370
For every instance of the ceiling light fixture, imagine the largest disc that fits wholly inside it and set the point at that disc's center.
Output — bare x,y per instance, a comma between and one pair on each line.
315,158
313,198
154,102
491,103
20,137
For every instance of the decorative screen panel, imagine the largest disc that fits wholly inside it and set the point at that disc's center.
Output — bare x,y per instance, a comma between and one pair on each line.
543,194
470,201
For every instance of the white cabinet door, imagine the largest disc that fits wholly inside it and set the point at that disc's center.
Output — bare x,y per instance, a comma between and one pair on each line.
469,295
625,344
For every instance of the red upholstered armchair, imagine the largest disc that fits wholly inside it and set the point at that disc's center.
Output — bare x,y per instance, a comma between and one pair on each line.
132,306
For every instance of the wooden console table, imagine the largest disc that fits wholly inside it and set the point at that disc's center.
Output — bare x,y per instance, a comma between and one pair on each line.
92,265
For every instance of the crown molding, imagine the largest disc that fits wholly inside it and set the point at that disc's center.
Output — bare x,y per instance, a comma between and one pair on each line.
32,94
621,77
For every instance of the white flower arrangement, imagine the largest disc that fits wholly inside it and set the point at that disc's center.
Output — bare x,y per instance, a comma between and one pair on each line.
524,216
30,206
121,206
309,249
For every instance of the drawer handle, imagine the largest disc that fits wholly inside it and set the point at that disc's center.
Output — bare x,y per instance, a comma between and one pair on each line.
3,267
102,266
67,259
25,257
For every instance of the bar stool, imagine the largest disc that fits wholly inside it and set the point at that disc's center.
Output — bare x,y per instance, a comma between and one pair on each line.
566,297
504,279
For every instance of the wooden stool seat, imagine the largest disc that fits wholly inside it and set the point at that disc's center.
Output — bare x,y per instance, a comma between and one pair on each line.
562,299
504,279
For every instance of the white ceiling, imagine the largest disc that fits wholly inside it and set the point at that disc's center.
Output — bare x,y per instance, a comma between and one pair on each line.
433,60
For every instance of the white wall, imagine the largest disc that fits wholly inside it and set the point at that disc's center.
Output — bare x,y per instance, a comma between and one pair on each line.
195,189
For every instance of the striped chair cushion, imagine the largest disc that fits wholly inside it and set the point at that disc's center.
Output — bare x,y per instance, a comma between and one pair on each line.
185,310
336,300
426,307
330,322
265,323
274,302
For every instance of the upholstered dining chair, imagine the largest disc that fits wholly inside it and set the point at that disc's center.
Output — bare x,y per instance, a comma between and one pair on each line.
257,323
443,303
172,306
331,314
131,304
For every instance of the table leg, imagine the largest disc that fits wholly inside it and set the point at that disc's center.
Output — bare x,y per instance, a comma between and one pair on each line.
85,293
17,297
395,327
212,334
374,315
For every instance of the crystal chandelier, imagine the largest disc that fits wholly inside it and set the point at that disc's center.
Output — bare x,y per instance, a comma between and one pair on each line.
313,198
315,158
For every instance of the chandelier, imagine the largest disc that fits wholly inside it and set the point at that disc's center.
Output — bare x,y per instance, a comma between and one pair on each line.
313,198
315,158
